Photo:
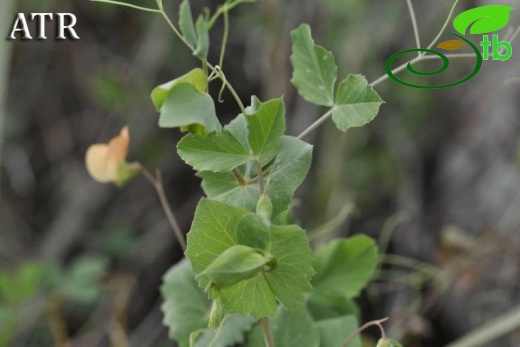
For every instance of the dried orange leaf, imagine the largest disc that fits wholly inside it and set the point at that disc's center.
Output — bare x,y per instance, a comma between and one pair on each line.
451,45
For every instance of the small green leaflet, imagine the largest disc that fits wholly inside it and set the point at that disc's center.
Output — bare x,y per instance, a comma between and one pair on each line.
196,77
315,71
344,267
218,151
357,103
289,169
202,47
197,35
186,23
334,332
266,127
185,106
214,230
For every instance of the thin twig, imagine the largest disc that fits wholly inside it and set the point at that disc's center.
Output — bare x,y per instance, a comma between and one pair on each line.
269,342
173,27
364,327
315,125
158,185
414,24
444,26
332,224
230,88
124,4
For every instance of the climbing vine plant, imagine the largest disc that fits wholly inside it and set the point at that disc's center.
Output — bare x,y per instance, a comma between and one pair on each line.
250,275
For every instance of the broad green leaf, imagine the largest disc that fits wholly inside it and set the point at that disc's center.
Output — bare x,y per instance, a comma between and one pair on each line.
212,232
315,71
186,23
231,332
258,239
483,19
196,77
357,103
252,296
344,268
289,329
289,169
215,184
235,264
218,151
290,281
266,127
332,308
215,230
185,308
254,107
186,106
202,47
334,332
238,127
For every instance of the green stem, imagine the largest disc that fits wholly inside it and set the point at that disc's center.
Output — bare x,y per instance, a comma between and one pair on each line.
316,124
217,70
269,342
240,179
260,174
173,27
414,23
124,4
225,37
364,327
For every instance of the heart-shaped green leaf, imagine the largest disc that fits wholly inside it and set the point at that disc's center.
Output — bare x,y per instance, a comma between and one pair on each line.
357,103
217,228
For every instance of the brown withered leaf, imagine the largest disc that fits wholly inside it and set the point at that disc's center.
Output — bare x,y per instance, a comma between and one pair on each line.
451,45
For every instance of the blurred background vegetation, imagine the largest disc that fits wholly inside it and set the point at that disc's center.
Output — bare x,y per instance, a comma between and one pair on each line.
434,178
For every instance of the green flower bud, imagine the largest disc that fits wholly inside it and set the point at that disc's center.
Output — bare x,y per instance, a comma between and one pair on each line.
217,315
264,207
385,343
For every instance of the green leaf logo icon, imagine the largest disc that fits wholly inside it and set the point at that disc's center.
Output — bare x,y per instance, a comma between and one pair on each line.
483,20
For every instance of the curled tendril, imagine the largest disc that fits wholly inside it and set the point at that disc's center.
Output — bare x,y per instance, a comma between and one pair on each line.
443,68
